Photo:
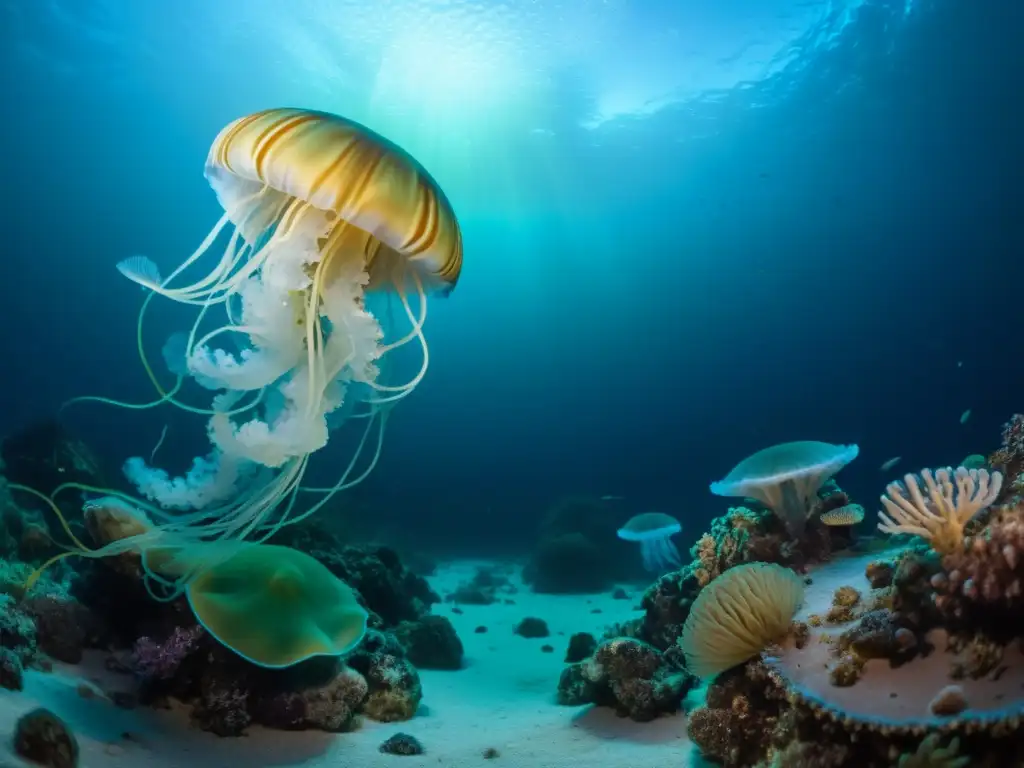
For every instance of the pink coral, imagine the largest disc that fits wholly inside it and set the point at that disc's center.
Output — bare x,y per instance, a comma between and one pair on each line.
988,569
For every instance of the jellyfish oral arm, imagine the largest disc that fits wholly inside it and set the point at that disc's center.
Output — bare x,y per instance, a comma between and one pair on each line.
659,553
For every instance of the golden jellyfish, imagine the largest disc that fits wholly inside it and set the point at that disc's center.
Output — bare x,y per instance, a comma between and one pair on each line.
320,213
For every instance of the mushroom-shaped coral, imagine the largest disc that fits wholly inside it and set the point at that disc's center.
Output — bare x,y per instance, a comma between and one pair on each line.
276,606
786,478
653,531
738,614
940,518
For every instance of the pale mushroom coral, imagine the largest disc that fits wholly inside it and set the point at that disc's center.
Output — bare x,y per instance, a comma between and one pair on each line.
653,532
786,478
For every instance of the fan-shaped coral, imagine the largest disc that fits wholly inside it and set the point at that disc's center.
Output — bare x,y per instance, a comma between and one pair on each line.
738,614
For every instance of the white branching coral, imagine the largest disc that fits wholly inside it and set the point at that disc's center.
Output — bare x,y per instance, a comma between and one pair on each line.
940,510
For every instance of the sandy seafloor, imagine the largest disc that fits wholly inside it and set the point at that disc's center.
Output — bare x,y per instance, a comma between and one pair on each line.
504,698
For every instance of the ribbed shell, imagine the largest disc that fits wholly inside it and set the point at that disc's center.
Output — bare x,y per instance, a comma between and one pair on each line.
338,165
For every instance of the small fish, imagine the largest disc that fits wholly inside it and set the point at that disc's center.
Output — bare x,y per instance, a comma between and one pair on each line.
965,416
959,363
890,463
612,498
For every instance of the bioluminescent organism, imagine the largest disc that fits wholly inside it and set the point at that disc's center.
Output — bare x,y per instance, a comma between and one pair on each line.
320,215
654,531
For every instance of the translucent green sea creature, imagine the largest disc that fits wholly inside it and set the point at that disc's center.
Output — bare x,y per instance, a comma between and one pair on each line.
274,606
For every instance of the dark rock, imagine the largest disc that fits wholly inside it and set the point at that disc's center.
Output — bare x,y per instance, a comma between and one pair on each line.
581,645
431,643
532,627
42,737
11,671
402,744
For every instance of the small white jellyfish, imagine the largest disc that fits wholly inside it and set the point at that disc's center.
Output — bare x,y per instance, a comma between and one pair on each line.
653,531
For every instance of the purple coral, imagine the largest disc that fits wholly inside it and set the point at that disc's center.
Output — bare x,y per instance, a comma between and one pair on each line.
159,661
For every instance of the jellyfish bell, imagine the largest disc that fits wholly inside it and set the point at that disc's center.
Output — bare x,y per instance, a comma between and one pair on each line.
319,213
654,532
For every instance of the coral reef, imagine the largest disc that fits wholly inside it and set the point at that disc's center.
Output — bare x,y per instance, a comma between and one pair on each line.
634,678
1009,459
168,655
743,535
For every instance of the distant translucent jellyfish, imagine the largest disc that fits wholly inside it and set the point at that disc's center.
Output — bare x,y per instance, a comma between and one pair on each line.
320,216
786,478
653,531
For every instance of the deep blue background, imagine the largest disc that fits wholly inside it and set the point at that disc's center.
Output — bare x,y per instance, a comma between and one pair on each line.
814,267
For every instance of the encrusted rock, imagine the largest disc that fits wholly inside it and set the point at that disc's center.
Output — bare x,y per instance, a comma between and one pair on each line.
949,701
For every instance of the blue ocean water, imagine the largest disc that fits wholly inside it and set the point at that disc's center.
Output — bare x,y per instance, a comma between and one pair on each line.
691,230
